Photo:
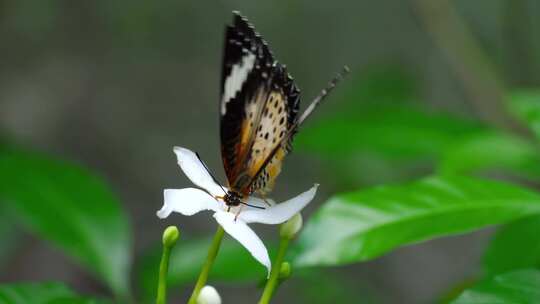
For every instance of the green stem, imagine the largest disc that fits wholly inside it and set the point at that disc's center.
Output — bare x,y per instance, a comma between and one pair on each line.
162,282
203,276
273,280
169,238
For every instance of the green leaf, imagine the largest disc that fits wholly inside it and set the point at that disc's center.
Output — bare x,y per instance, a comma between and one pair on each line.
41,293
515,246
70,207
491,150
233,264
525,105
521,286
365,224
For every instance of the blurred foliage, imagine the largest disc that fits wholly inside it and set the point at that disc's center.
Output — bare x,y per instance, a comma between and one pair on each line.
67,205
515,246
8,236
379,114
525,105
365,224
378,85
331,288
393,131
42,293
383,129
521,286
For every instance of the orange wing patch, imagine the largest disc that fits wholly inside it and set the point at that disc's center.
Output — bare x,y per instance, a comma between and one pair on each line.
271,130
247,135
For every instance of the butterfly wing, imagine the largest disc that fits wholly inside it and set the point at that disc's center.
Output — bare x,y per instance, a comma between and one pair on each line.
278,115
259,103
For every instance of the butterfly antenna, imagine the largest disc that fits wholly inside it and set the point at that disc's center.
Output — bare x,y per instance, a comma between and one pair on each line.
331,85
253,206
211,175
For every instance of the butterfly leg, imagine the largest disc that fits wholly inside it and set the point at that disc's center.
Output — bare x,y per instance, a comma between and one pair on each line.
266,202
263,197
238,212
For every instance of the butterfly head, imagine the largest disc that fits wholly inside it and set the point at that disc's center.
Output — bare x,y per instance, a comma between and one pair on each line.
232,198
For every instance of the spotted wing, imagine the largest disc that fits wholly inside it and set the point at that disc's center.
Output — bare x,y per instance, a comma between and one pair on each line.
277,119
259,103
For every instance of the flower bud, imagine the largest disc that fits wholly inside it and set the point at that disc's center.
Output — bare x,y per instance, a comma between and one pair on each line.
208,295
291,227
170,236
284,271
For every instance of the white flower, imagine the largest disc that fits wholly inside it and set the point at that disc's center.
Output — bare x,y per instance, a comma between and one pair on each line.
208,295
189,201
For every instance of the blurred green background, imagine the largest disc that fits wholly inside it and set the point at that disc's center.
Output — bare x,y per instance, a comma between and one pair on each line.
114,85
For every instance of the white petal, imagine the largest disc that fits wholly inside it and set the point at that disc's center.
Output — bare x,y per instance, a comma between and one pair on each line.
195,171
187,201
278,213
243,234
259,202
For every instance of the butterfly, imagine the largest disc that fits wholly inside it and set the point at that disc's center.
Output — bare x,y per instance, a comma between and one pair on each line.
259,112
